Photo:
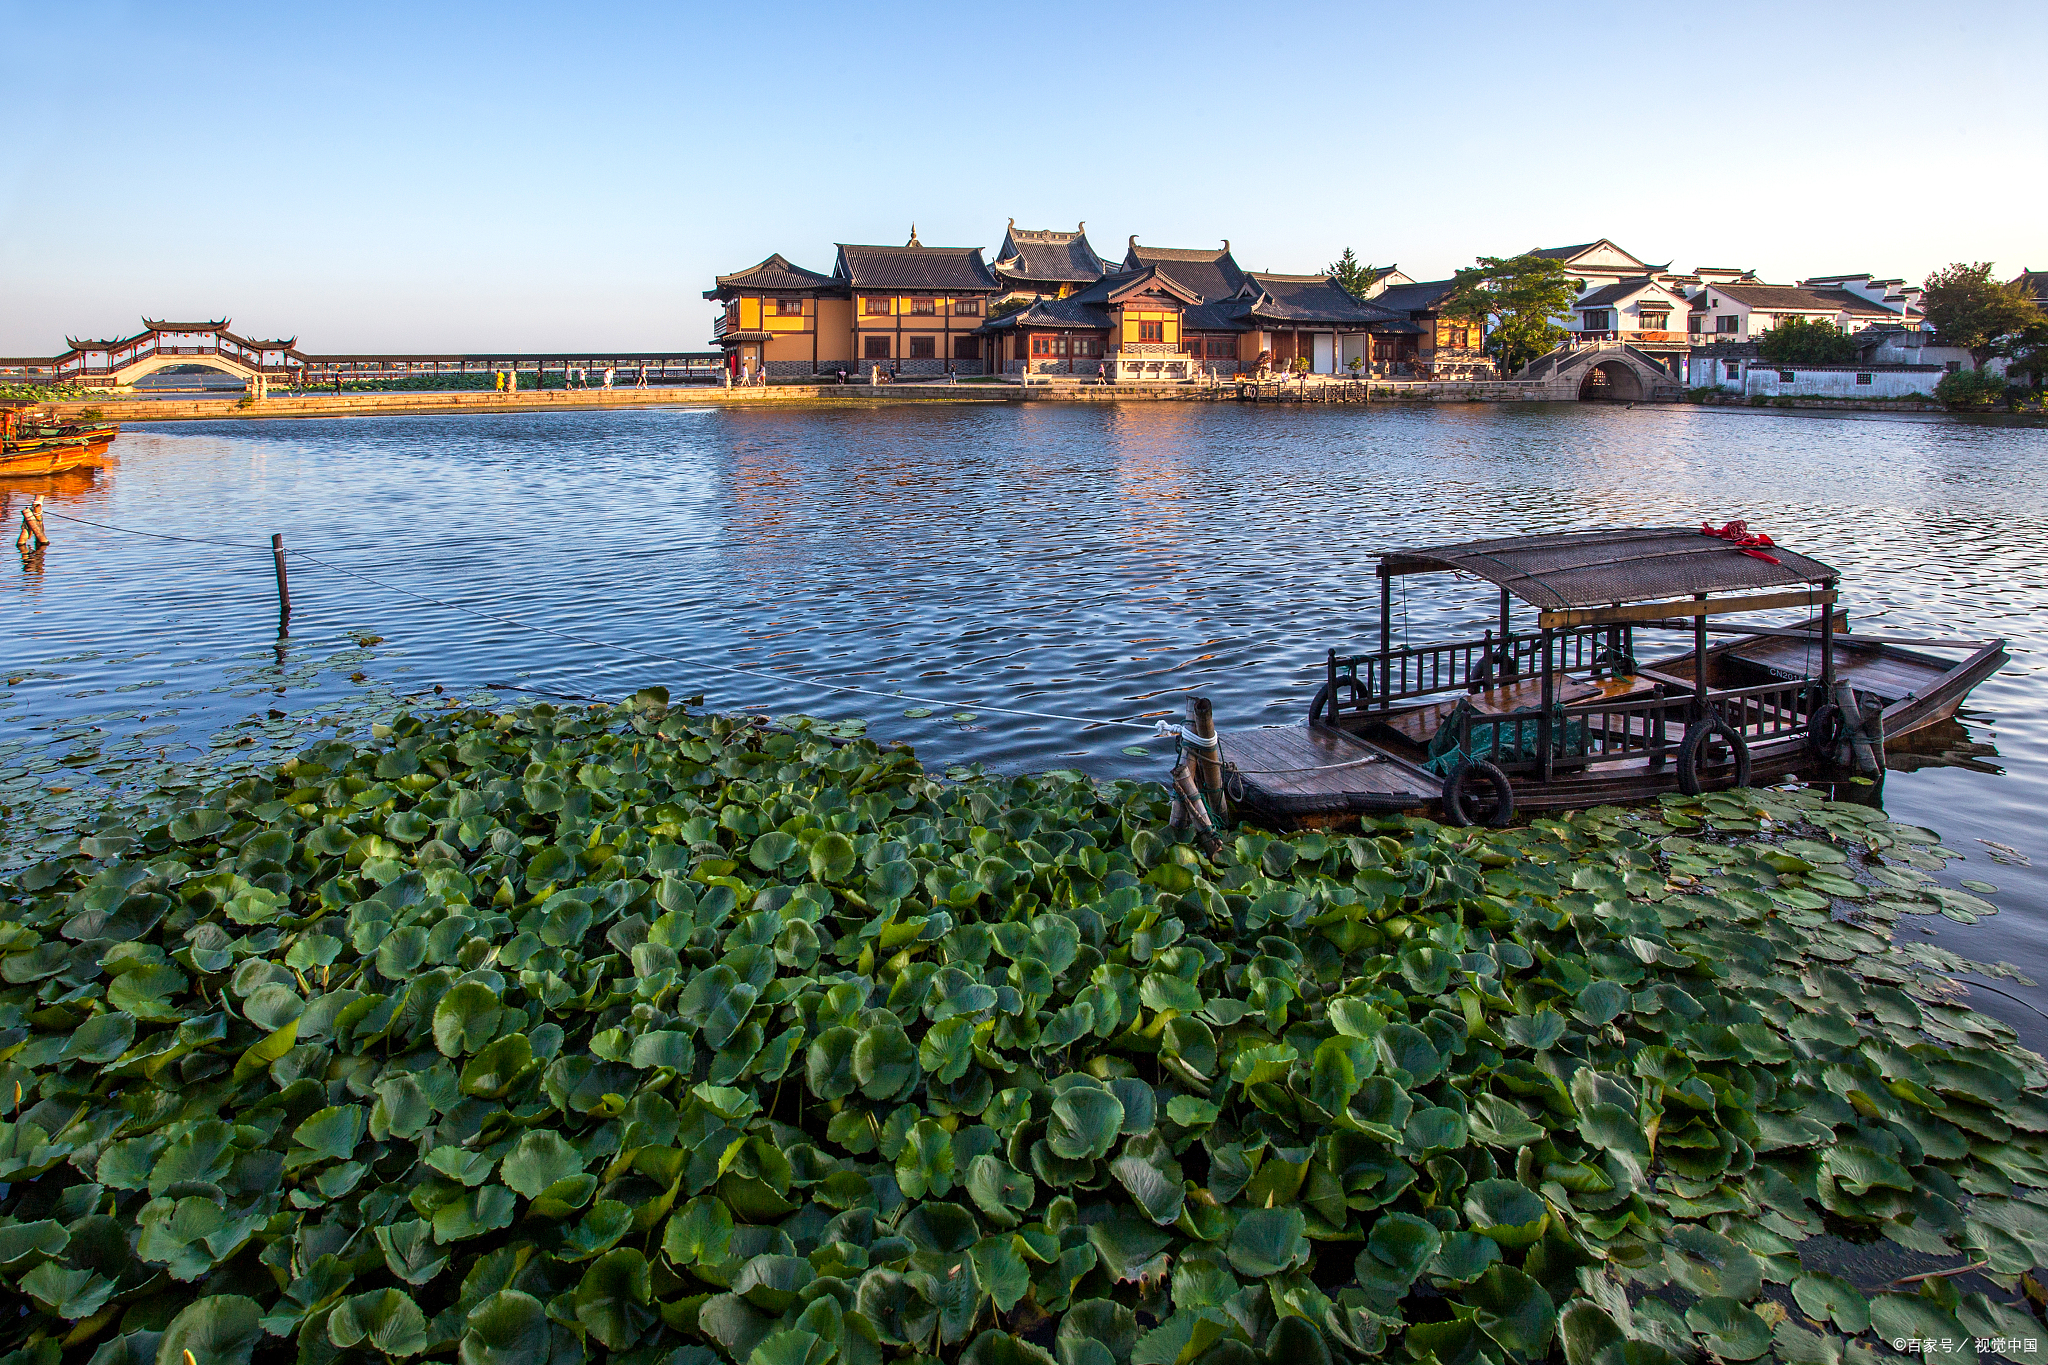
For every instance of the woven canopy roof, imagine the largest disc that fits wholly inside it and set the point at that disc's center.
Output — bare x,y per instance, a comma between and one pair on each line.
1594,568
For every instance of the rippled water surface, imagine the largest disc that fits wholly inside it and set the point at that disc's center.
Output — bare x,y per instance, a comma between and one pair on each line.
1089,560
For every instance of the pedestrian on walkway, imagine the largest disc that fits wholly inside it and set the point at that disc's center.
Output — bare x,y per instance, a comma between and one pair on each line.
609,371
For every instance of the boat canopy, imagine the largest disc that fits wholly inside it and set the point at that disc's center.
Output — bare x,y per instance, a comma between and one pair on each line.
1596,568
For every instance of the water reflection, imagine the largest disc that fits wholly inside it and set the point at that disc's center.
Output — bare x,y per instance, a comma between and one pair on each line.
1097,561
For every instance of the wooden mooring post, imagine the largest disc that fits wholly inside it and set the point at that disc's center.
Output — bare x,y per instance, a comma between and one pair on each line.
1208,760
284,592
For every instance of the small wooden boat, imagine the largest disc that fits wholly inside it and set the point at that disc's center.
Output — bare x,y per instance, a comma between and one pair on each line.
29,448
1570,715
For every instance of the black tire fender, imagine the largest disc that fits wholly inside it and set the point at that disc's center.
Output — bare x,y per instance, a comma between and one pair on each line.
1456,812
1322,697
1826,735
1693,750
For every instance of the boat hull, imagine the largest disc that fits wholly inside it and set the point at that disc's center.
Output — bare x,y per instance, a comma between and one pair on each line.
1318,774
38,455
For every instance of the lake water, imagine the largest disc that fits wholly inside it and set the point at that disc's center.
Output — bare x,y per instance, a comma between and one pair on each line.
1093,561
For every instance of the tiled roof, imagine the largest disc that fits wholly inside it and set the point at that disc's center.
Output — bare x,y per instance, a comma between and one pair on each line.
773,273
1067,312
913,267
1615,293
2035,283
1563,253
1408,298
1055,257
1310,298
1790,298
1212,274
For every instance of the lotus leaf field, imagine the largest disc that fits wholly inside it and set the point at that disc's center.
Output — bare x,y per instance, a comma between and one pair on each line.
635,1033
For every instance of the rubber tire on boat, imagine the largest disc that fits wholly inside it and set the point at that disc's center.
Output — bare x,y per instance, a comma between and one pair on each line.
1247,393
1455,812
1694,747
1322,698
1827,738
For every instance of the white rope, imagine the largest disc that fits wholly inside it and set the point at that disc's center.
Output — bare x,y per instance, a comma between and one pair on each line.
1166,729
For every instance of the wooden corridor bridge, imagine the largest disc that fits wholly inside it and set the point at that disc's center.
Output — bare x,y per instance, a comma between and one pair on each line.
264,364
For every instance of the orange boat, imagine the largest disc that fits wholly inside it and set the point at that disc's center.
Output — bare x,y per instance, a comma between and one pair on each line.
29,447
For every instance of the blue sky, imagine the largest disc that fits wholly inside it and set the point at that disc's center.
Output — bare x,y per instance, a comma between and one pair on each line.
458,177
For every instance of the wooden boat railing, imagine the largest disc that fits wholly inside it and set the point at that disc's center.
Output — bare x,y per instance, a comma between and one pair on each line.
1650,727
1377,681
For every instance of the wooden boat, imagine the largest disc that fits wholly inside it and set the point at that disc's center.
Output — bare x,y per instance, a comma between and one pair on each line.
1569,714
30,448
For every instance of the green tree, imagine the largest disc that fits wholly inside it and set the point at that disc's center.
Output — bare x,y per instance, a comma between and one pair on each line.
1520,297
1348,271
1967,308
1800,341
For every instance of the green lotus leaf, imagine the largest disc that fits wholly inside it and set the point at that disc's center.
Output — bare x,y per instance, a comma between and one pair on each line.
832,858
386,1319
1601,1002
1002,1193
1513,1310
466,1018
1408,1054
1085,1122
538,1160
1586,1331
773,849
885,1063
610,1301
699,1233
1829,1297
506,1328
1426,970
925,1165
1268,1241
99,1039
1711,1265
220,1329
329,1134
773,1284
1129,1249
896,1306
1729,1330
410,1252
1436,1129
1100,1322
1000,1269
1156,1186
1536,1031
1912,1316
70,1293
953,993
1497,1122
829,1063
1403,1243
1506,1211
203,823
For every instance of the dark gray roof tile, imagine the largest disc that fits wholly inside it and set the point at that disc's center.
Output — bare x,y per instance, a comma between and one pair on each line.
913,267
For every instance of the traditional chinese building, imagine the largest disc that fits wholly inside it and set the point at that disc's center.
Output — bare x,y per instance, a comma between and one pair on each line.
1045,263
907,310
1174,314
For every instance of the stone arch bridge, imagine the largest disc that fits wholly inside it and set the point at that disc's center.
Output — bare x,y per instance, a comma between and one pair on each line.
1610,371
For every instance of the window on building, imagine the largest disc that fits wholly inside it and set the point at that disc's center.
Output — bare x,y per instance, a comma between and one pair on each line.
1655,322
1692,324
1734,368
1041,345
1596,320
1151,331
1952,366
1222,348
876,306
1088,346
1726,324
1862,378
923,308
789,308
1786,376
966,348
875,348
966,308
923,348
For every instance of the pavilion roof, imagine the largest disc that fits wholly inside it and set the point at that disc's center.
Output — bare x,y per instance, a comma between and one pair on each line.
1052,256
1594,568
1308,298
913,267
1211,273
775,273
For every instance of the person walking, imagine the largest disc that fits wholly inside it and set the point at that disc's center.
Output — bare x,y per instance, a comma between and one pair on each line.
609,372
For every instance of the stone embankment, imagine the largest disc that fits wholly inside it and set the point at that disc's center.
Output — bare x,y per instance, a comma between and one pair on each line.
367,404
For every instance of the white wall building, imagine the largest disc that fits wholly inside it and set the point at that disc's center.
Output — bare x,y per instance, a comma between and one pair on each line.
1743,312
1738,369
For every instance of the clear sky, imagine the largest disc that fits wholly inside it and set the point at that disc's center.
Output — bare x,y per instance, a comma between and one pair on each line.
465,177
